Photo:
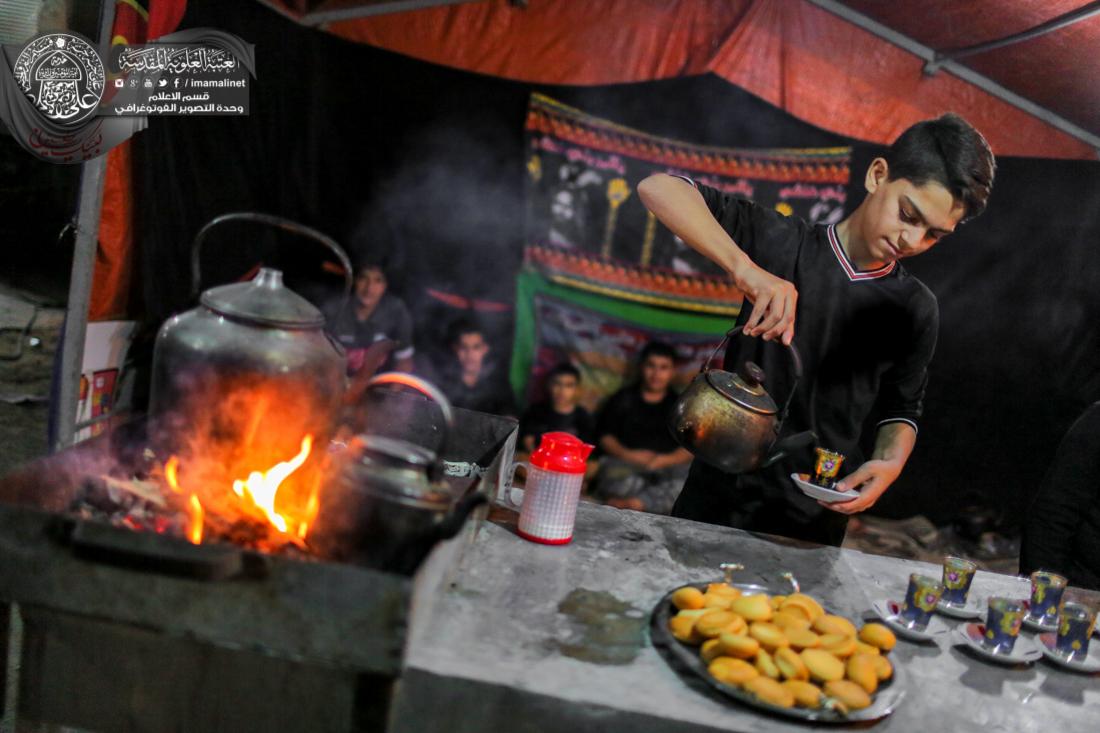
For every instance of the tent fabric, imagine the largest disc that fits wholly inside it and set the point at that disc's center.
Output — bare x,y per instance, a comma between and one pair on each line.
1056,70
790,53
111,291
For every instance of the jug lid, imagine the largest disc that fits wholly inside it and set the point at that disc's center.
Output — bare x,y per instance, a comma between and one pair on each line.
561,452
745,387
265,300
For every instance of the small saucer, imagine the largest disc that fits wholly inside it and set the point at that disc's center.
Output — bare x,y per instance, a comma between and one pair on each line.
829,496
970,609
889,612
1024,651
1088,664
1038,624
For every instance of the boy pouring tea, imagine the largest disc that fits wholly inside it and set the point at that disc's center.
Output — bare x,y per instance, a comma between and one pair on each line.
866,327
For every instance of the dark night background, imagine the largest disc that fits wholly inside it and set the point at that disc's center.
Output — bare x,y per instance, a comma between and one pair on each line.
429,162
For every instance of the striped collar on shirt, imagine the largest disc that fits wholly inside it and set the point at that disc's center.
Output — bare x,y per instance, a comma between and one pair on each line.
849,268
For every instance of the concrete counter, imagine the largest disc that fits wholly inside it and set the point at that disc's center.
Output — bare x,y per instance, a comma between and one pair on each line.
529,637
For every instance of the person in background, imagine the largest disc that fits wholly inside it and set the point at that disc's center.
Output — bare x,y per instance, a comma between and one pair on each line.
559,413
642,467
1062,528
374,326
470,377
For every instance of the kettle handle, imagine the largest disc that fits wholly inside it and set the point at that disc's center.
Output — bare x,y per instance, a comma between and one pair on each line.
796,360
280,223
430,391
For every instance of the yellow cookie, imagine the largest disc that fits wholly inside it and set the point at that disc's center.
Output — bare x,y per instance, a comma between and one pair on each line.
777,601
732,671
830,624
770,636
683,628
878,635
717,600
770,691
790,664
861,669
802,638
724,589
811,607
765,665
710,651
806,694
839,644
753,608
713,623
883,668
862,648
739,646
790,619
852,695
687,597
823,666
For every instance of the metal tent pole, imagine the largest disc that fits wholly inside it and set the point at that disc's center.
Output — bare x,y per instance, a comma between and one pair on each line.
956,69
89,206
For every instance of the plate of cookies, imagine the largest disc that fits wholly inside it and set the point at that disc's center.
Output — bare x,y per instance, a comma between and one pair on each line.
783,654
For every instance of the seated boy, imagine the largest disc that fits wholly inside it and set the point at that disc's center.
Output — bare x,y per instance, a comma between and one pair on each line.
866,327
642,467
374,326
469,376
559,413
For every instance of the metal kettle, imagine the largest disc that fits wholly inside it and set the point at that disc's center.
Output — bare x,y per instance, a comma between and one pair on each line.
386,505
252,363
729,420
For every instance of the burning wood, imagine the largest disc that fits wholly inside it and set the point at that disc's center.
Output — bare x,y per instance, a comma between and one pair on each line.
249,512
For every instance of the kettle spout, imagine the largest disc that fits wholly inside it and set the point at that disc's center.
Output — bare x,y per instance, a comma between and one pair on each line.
790,445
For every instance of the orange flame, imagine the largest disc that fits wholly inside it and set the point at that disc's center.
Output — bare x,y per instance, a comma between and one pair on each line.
261,487
194,508
194,531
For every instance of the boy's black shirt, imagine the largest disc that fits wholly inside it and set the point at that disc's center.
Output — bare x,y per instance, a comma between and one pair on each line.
637,424
541,418
865,338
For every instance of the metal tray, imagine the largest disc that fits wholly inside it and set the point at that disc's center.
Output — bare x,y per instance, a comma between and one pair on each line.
685,659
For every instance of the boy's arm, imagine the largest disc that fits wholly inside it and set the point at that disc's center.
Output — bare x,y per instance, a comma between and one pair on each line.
681,208
894,443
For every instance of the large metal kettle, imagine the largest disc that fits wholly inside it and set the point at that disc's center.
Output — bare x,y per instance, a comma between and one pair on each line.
729,420
252,363
386,504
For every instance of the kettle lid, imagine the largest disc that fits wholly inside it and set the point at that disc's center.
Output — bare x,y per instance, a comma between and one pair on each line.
745,387
264,300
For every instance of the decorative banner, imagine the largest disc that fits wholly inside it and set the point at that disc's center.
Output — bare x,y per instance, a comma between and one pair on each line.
602,336
583,172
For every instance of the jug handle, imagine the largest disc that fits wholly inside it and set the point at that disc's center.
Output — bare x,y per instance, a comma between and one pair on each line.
279,223
796,360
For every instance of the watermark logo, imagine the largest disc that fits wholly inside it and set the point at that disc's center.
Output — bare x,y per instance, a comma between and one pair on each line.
63,76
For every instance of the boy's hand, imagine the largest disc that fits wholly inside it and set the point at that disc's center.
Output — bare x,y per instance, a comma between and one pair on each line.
773,304
871,479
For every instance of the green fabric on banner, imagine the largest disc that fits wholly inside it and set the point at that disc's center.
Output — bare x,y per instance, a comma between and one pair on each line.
530,283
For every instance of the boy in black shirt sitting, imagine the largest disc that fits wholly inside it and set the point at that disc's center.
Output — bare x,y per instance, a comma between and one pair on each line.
559,413
866,327
642,467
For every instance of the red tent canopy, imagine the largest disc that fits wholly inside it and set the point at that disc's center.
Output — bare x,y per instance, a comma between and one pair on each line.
823,61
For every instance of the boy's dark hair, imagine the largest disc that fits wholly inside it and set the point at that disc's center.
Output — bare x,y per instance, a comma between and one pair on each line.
371,261
563,369
460,327
949,151
657,348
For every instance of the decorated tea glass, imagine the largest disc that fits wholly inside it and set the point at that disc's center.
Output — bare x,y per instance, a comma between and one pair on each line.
1046,595
958,574
827,467
1075,625
921,598
1002,624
